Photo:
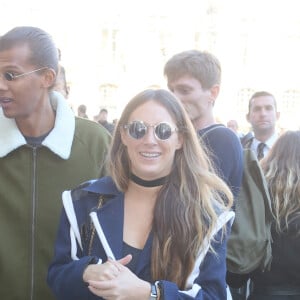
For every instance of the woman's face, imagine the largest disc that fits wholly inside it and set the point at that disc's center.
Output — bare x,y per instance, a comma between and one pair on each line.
150,157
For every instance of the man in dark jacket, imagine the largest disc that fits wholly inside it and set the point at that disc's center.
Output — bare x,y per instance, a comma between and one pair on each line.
195,77
102,119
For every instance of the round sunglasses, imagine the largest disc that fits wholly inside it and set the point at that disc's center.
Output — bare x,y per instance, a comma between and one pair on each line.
138,129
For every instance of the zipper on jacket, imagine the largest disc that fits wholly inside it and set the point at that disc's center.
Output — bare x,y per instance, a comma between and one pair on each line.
33,220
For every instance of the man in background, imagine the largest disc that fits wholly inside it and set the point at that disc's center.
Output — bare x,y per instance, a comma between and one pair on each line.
262,115
81,111
195,77
101,118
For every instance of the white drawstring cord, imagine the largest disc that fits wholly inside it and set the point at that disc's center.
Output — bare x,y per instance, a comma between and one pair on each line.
101,236
70,212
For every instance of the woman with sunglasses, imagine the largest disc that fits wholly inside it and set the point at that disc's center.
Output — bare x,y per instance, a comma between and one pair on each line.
157,227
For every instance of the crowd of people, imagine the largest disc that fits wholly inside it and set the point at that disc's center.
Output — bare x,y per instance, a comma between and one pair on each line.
139,209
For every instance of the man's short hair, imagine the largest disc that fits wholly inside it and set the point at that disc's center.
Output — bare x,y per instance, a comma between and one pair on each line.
103,110
82,108
202,65
44,53
261,94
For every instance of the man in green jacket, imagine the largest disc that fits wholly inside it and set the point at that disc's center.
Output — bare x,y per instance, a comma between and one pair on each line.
44,150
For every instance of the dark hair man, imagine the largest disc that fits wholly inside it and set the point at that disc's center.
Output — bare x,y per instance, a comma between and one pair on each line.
81,111
101,118
41,154
262,115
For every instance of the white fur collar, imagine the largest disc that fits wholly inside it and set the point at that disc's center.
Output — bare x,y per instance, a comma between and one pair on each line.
59,140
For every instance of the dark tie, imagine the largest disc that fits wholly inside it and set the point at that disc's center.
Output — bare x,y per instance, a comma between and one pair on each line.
260,150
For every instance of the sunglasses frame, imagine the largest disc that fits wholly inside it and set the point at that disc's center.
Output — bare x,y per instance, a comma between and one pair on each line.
11,77
127,127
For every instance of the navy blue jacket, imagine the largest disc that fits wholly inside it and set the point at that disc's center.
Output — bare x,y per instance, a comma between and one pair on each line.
207,281
226,153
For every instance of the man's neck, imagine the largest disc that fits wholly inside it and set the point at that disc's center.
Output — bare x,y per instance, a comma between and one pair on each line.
37,124
263,137
201,123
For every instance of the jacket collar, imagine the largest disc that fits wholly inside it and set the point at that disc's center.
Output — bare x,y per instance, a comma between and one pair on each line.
59,140
104,186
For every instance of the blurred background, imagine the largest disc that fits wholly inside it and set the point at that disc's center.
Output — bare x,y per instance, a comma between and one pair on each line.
113,49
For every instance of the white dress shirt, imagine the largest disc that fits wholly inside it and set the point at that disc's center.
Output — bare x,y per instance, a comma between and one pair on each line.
269,143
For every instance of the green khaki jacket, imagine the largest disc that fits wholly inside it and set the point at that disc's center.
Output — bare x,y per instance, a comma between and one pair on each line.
31,183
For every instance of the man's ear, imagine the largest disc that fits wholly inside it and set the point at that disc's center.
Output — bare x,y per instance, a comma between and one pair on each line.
214,92
49,77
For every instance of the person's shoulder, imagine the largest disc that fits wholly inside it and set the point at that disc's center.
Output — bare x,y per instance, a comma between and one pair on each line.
88,128
83,123
89,195
223,130
214,129
247,139
221,134
102,186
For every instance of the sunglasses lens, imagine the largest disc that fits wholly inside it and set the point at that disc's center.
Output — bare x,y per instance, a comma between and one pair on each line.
137,130
163,131
8,76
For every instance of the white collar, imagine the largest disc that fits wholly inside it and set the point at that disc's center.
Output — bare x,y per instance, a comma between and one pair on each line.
269,142
60,138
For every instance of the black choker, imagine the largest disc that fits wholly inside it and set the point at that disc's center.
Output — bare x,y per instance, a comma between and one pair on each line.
148,183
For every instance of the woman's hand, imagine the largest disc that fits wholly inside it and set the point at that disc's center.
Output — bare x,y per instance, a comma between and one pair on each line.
106,271
122,285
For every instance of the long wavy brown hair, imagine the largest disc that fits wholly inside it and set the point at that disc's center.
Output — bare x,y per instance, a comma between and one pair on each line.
185,212
282,170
